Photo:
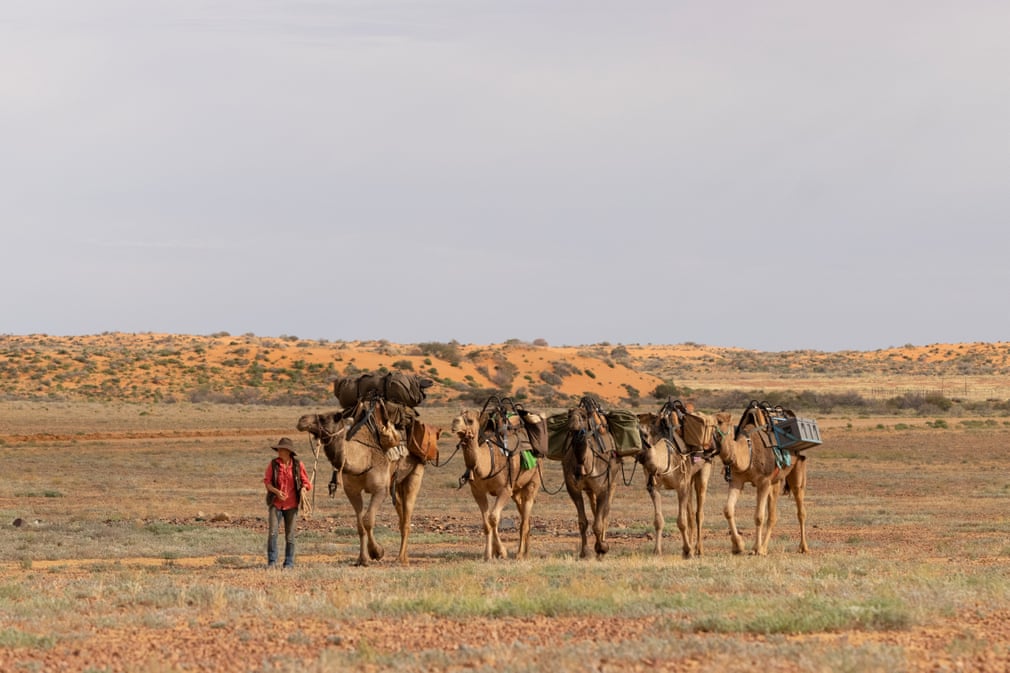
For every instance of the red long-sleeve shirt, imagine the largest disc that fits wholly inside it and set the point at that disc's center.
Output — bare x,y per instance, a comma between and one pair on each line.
286,482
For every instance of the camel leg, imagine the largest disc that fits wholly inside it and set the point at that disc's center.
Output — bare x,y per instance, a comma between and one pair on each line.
658,522
580,510
773,516
403,512
700,481
798,486
729,511
685,519
524,499
494,519
480,496
406,497
761,517
801,516
338,470
375,550
601,518
357,504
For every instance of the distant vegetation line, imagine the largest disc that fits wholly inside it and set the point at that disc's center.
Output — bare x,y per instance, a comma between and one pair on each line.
811,402
286,370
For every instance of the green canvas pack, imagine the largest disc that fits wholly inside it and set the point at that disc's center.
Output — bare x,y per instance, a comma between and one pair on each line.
623,427
557,435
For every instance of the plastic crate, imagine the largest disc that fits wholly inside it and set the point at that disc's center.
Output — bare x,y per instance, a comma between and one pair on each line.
796,434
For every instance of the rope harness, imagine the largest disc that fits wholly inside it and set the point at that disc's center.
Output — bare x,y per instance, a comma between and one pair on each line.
592,439
494,430
731,465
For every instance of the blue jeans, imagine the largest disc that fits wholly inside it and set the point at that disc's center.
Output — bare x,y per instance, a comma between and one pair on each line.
275,516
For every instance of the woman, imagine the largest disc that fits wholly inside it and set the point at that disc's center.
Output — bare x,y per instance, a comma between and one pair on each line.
284,479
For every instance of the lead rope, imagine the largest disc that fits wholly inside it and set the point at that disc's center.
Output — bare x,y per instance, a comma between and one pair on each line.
315,443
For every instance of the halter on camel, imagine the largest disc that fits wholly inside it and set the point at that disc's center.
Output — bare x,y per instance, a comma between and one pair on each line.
493,429
471,435
591,436
720,436
364,414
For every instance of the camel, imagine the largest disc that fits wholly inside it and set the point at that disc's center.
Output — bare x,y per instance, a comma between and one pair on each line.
750,458
495,474
589,464
364,467
670,464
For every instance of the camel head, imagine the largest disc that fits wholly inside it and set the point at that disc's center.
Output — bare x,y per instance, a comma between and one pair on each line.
467,428
466,425
655,426
579,431
310,423
578,420
646,422
582,420
723,429
320,425
326,429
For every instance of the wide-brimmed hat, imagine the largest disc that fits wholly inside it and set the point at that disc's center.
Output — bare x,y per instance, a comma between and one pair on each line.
285,443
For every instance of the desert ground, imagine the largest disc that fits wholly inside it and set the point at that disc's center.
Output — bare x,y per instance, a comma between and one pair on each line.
133,539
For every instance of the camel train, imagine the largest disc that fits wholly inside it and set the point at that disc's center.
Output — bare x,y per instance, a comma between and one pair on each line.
379,447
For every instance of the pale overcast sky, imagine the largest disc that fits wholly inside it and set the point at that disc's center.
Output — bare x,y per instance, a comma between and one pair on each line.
769,175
